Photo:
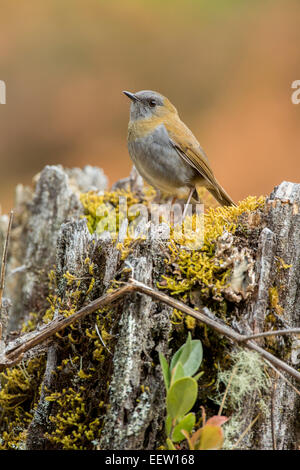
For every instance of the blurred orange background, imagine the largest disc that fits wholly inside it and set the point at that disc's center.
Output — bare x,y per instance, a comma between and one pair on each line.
227,66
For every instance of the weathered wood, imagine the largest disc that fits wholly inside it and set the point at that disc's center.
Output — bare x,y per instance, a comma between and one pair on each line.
277,266
136,389
38,219
47,231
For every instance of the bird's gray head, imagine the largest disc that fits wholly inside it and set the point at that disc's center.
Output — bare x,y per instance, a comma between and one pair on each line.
147,103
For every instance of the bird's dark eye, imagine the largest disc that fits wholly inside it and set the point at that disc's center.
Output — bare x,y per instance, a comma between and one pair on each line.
152,103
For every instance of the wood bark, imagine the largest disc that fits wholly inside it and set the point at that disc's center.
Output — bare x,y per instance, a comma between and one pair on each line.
277,265
48,231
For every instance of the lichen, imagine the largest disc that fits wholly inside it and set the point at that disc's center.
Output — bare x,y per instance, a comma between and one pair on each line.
246,379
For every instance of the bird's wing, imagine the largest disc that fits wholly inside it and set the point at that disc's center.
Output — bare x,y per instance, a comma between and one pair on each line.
188,147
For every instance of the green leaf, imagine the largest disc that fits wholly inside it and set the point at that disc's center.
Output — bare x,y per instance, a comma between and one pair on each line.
176,358
185,348
186,424
165,370
190,355
177,373
193,362
181,397
168,425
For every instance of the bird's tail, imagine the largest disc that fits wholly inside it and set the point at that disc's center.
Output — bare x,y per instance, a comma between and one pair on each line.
220,195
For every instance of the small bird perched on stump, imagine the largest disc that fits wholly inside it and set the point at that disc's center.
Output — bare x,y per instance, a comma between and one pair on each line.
165,152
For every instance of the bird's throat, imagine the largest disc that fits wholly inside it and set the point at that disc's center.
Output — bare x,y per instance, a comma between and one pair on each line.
142,127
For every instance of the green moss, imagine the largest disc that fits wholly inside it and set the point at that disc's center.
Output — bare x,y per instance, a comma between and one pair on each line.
19,395
103,212
73,425
274,300
31,323
191,269
80,397
279,346
81,394
107,211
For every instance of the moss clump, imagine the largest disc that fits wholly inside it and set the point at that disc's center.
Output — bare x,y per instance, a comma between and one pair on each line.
190,269
73,425
31,323
106,211
81,389
274,300
81,393
19,395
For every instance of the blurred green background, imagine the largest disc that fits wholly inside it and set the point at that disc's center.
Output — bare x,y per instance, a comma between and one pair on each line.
226,65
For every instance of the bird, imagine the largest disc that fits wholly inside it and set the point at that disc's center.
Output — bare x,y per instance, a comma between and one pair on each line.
166,153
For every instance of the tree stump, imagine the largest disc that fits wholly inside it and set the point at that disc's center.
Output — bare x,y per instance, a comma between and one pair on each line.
103,371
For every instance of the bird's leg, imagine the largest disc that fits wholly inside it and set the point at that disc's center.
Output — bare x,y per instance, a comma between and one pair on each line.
187,203
172,212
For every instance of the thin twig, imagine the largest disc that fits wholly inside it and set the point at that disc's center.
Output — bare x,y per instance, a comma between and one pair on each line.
4,258
23,344
289,331
220,328
273,412
246,431
283,377
101,339
226,391
17,349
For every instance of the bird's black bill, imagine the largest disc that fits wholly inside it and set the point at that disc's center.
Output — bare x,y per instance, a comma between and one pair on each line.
132,96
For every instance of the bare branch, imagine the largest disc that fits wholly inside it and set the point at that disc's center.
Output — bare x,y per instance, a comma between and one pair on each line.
283,377
220,328
15,350
289,331
4,258
23,344
226,391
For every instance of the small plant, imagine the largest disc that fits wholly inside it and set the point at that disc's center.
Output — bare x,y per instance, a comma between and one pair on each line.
180,380
210,436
